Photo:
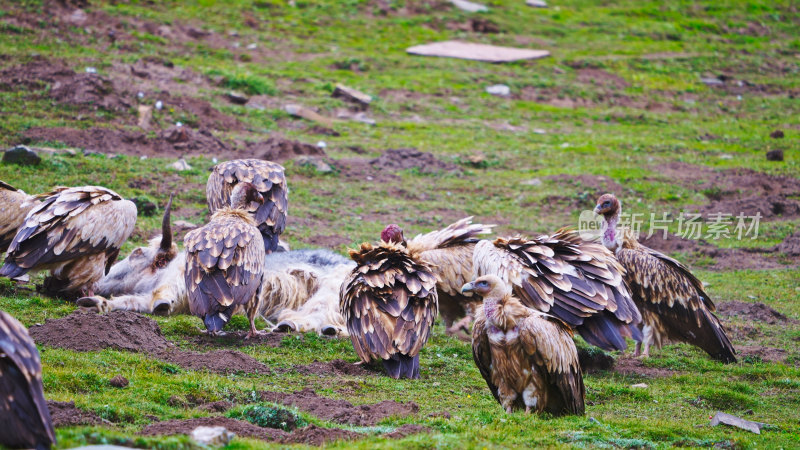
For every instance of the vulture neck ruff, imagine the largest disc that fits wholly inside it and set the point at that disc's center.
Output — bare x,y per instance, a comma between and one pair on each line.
611,238
234,213
500,312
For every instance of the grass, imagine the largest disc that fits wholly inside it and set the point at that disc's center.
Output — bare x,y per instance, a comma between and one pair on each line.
661,113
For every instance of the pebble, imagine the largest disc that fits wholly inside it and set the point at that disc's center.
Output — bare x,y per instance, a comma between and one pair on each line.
499,89
212,436
22,156
91,70
315,162
469,6
536,3
159,105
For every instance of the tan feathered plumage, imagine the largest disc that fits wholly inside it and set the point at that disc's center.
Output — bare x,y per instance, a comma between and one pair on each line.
268,178
389,303
76,233
527,358
577,281
14,206
224,263
672,301
25,418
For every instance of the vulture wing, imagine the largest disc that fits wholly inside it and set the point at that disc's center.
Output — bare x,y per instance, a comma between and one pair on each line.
482,352
224,263
14,205
674,302
268,177
68,223
548,343
577,281
26,419
389,303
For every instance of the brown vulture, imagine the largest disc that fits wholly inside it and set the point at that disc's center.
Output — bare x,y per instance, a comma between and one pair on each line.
14,205
76,233
225,261
577,281
672,301
268,178
389,303
25,418
448,252
527,357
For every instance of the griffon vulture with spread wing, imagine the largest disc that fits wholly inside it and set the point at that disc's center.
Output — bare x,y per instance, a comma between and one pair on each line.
527,357
672,301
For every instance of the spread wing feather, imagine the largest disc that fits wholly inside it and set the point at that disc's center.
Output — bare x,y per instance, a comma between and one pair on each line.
268,177
389,302
26,419
14,206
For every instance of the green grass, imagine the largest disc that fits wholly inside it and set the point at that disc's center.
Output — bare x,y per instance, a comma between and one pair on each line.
626,132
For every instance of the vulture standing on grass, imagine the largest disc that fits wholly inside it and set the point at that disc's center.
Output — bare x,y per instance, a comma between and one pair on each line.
24,415
577,281
672,301
449,254
76,233
527,357
14,205
268,178
389,303
225,261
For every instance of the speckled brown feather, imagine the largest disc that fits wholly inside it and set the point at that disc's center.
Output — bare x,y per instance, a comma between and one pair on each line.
14,206
268,178
26,419
389,302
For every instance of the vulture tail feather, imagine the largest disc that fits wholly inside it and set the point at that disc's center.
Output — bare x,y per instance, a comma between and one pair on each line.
601,332
215,320
719,347
12,270
402,366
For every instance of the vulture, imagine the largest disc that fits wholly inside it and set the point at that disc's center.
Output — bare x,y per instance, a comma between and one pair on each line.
225,261
672,301
448,252
269,180
574,280
23,410
14,205
76,233
389,303
527,357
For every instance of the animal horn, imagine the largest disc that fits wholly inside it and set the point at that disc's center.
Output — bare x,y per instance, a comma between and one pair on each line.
166,229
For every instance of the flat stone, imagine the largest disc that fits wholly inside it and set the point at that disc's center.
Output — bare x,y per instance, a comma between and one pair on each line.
317,163
711,81
464,5
212,436
476,52
639,385
145,115
238,98
22,156
499,89
180,165
733,421
308,114
352,94
536,3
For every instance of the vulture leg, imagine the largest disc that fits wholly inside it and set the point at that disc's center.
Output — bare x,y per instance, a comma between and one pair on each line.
638,349
647,330
527,409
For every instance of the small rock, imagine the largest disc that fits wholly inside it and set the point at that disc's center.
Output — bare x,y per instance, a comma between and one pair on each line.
182,225
777,134
725,156
536,3
21,155
144,206
532,182
499,89
180,165
305,113
464,5
78,17
775,155
159,105
711,81
91,70
252,46
639,385
118,381
539,131
212,436
477,159
321,144
87,152
145,114
238,98
317,163
352,94
733,421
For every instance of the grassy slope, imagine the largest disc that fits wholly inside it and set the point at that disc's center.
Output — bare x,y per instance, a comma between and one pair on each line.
624,143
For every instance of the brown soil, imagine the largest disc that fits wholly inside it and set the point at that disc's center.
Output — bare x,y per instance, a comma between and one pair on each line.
237,339
790,246
316,436
767,354
204,115
410,158
473,25
240,427
362,169
66,414
280,149
337,367
602,78
753,311
118,381
594,361
628,365
129,331
341,411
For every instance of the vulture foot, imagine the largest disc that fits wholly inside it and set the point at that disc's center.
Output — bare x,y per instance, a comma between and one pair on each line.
286,326
254,333
93,303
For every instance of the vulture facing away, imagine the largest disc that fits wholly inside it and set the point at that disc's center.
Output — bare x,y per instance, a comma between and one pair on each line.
574,280
672,301
23,410
268,178
389,303
448,252
527,358
14,206
76,233
224,262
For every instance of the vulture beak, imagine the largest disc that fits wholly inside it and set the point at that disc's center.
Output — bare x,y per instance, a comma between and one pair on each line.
597,210
467,289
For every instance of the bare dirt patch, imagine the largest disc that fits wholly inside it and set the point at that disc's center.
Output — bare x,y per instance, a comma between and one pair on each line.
129,331
602,78
407,430
279,149
790,246
759,352
337,367
628,365
753,311
240,427
66,414
411,158
341,411
237,339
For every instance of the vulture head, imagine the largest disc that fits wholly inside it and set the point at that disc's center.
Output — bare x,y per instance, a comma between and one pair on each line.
394,234
487,286
246,196
607,206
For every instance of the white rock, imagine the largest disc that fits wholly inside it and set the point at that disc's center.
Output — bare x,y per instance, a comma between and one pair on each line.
214,160
730,420
539,131
140,94
321,144
252,46
639,385
532,182
159,105
464,5
91,70
180,165
499,89
725,156
213,436
178,124
536,3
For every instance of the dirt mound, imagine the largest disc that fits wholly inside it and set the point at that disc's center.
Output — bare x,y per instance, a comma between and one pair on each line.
237,339
220,406
594,360
337,367
724,258
761,353
33,75
790,246
217,361
316,436
240,427
341,411
88,89
280,149
753,311
203,115
627,365
411,158
407,430
66,414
